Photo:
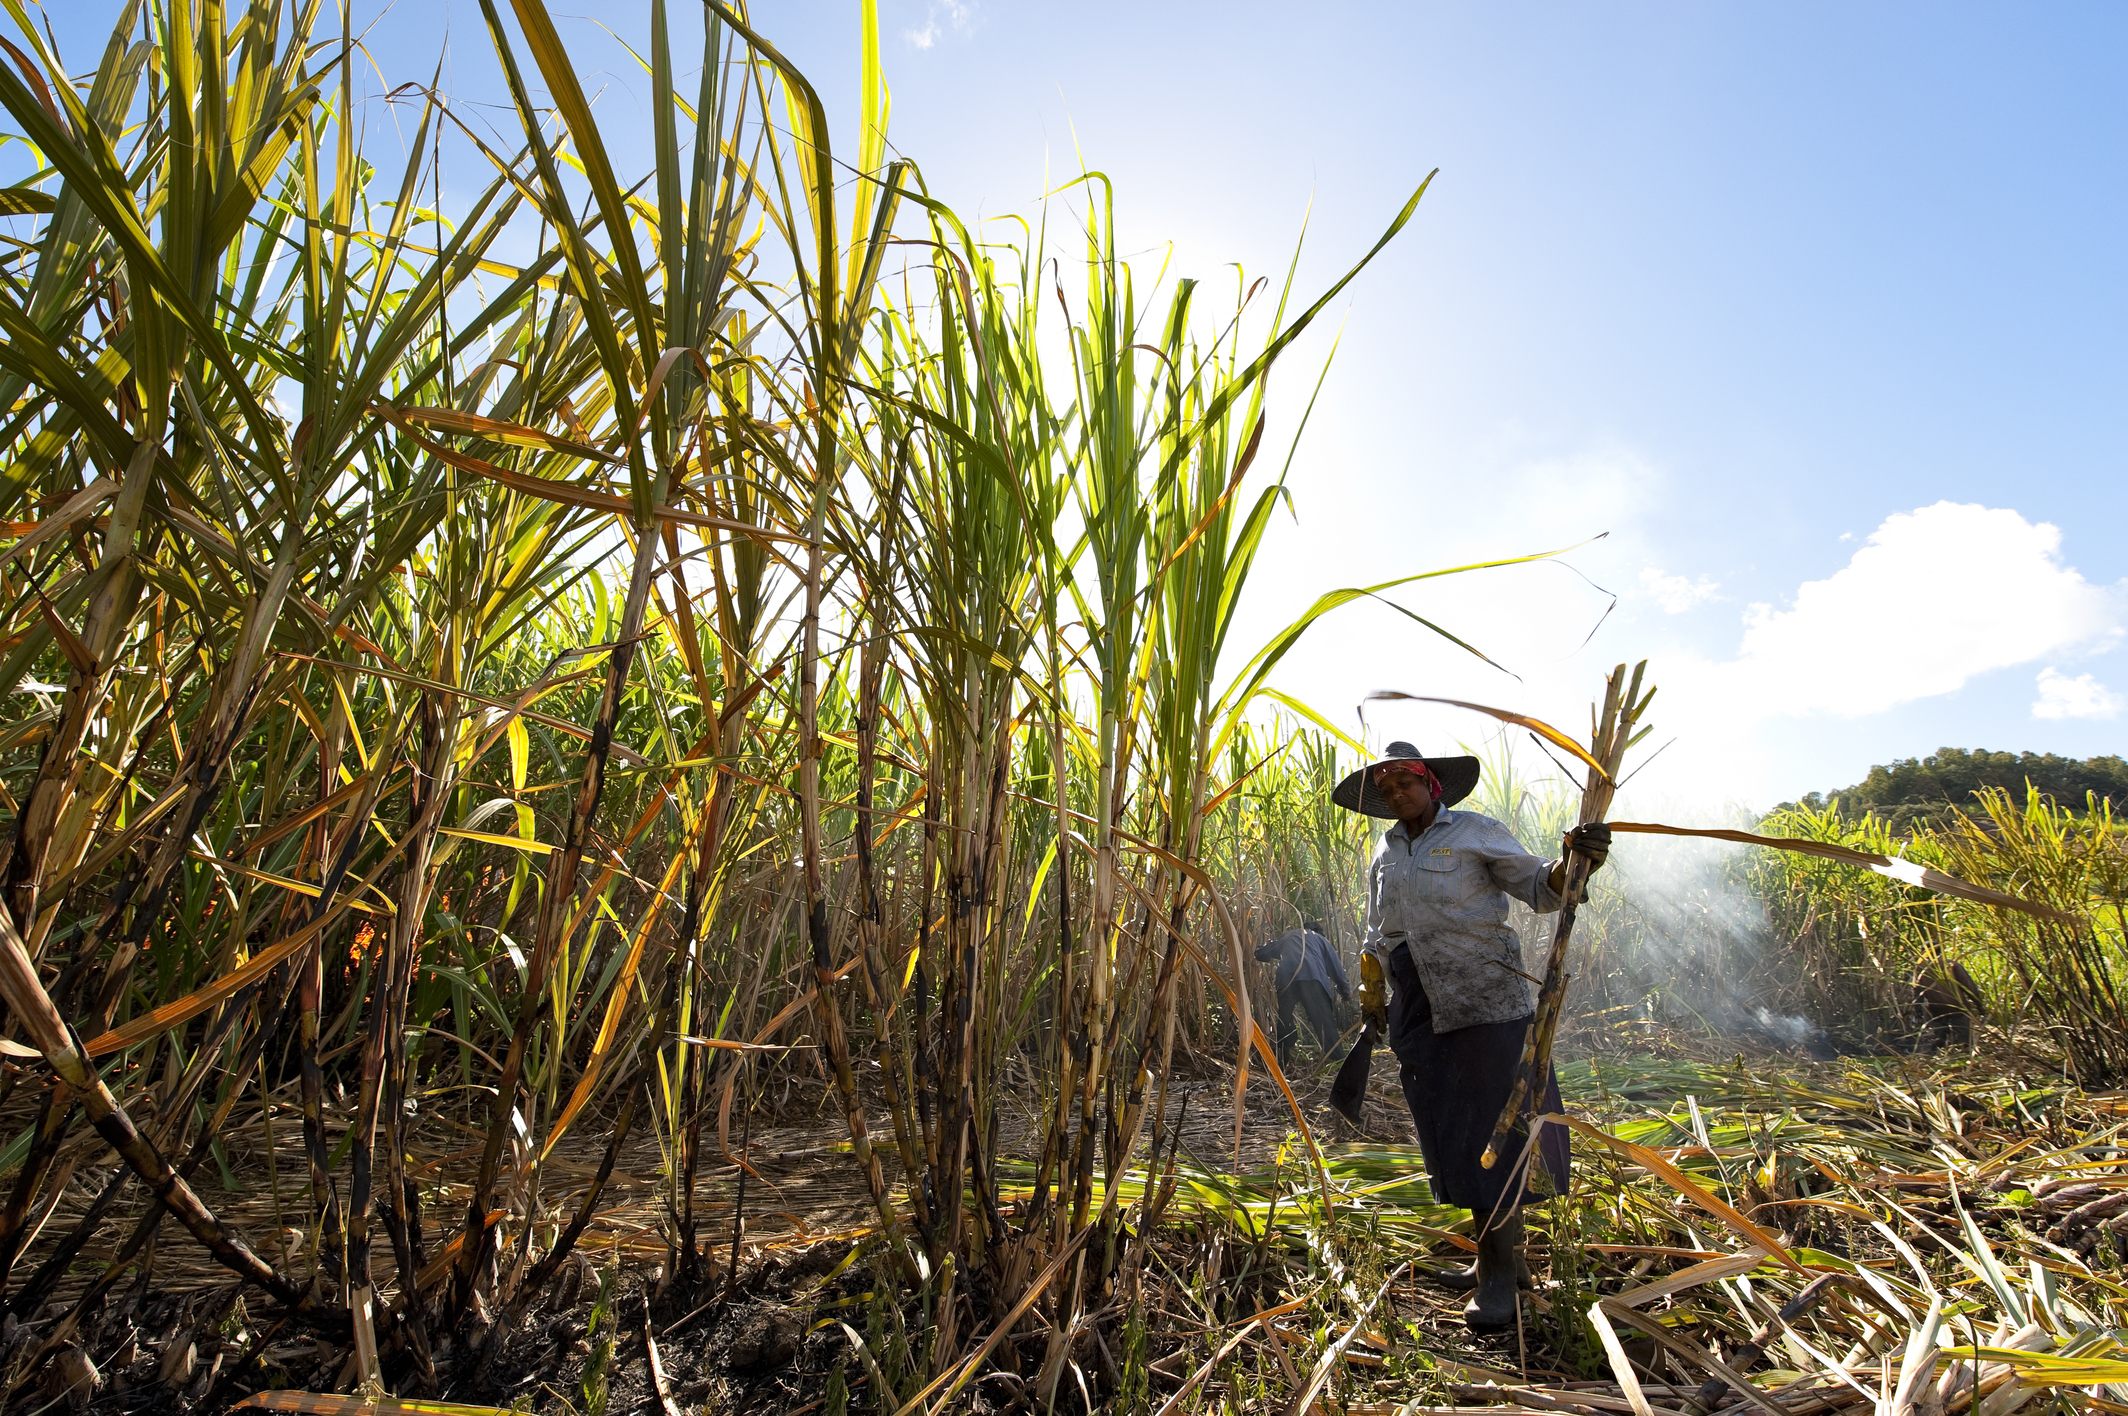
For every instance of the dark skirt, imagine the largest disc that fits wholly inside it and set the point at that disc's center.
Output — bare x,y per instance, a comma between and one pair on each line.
1456,1084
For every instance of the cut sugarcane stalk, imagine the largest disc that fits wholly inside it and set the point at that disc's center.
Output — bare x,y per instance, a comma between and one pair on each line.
1615,727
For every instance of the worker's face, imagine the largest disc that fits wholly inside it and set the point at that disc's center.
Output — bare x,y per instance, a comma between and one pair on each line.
1406,795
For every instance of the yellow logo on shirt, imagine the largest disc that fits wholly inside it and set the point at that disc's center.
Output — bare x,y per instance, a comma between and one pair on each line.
1442,850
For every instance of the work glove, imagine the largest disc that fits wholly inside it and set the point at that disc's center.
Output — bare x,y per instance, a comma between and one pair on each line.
1374,994
1591,841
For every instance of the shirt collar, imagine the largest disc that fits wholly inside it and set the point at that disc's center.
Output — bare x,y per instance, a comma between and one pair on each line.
1397,831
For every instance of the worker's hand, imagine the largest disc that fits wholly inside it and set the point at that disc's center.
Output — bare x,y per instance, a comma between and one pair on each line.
1592,841
1374,993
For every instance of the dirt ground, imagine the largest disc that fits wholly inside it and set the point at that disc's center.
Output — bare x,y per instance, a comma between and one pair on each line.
181,1340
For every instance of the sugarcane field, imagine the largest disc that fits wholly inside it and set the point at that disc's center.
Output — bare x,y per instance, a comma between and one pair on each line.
663,757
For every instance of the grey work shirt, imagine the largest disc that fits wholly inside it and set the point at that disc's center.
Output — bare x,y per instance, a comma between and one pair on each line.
1443,896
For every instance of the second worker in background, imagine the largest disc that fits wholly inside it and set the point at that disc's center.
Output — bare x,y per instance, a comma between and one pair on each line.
1308,972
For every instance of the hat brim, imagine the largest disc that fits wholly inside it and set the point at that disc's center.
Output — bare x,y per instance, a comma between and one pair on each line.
1458,777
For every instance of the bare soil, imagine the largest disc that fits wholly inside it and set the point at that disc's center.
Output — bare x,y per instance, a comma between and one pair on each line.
181,1339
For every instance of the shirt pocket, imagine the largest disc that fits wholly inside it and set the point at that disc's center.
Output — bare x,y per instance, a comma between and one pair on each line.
1441,875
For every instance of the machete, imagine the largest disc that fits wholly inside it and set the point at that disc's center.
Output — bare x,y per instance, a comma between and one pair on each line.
1348,1091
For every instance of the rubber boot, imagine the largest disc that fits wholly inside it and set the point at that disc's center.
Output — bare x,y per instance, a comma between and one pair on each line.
1495,1305
1464,1279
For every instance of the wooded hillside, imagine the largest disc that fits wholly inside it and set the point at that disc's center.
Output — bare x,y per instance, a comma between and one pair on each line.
1920,789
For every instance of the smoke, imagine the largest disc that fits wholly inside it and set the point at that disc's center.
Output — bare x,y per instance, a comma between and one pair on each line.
1675,937
1798,1034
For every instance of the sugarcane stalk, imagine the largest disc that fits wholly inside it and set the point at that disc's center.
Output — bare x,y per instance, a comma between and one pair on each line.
827,1012
556,900
681,985
550,1263
1740,1360
1615,726
688,974
174,1106
870,914
115,584
872,660
325,1206
384,1050
834,1040
926,1064
25,997
52,1121
402,1215
1060,1118
151,1218
981,1097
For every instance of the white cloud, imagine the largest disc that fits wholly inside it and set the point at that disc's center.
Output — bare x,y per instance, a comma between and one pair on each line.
1934,598
2081,697
1675,593
959,15
1931,600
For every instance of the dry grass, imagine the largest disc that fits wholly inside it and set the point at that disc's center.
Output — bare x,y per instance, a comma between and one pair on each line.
1966,1217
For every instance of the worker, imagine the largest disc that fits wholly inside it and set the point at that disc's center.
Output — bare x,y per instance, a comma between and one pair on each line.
1459,1004
1308,969
1946,1000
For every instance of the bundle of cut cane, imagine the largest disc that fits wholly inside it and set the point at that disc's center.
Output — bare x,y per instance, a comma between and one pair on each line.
1615,727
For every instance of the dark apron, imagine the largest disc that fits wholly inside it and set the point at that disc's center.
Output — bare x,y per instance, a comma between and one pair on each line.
1456,1084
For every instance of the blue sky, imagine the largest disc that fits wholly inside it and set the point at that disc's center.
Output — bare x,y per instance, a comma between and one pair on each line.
1816,309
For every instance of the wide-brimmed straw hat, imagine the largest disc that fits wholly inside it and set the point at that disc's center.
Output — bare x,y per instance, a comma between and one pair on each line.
1458,775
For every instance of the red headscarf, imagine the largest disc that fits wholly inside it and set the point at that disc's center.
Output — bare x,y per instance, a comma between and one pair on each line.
1417,769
